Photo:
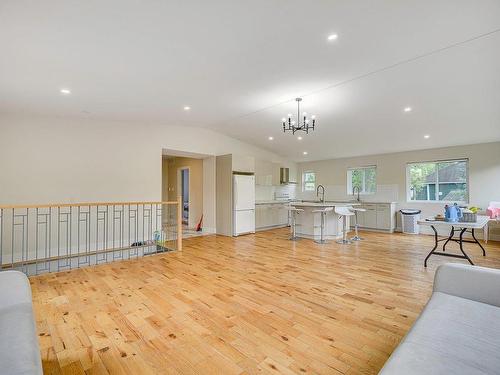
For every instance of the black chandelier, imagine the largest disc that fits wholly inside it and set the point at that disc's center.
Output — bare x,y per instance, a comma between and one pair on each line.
305,125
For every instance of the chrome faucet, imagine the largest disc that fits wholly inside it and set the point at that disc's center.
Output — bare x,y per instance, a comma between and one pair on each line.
322,200
354,188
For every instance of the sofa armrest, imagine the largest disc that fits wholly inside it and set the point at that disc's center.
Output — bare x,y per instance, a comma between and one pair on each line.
471,282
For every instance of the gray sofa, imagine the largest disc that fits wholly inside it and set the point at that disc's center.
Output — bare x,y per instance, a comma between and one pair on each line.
19,351
459,330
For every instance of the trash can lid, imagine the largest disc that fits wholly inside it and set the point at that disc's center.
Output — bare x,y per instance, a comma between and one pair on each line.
410,211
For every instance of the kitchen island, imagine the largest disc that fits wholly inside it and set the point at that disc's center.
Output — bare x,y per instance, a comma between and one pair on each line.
309,223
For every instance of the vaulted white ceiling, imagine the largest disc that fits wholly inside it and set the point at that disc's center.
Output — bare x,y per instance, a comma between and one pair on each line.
240,64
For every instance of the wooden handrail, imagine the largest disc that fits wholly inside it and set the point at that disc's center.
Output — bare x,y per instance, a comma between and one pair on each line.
49,205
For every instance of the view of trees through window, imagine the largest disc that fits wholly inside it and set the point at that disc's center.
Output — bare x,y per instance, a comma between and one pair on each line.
309,181
438,181
364,178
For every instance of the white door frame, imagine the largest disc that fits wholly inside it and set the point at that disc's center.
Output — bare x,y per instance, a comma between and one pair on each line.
179,188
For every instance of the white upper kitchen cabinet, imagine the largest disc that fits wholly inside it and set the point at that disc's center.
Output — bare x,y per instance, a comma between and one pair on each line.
244,164
263,172
276,173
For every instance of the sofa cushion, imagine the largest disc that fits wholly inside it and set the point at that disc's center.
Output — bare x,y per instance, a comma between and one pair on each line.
452,336
15,289
19,351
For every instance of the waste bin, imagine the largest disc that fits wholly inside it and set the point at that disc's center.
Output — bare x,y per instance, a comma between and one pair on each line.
409,221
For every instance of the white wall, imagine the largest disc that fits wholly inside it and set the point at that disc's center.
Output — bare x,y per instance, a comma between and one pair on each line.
484,175
52,160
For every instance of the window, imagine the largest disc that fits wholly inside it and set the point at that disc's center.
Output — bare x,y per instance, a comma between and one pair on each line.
308,181
444,181
362,178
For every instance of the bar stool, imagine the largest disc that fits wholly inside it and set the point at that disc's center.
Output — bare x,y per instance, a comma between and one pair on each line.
293,212
344,212
323,212
356,225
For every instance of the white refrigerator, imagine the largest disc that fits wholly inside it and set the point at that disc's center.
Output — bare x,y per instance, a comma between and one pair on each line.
243,204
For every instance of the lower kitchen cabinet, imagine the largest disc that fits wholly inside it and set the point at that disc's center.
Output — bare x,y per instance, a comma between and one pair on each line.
378,216
271,215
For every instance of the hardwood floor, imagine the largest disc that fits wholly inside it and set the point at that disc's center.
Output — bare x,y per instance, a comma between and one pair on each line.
254,304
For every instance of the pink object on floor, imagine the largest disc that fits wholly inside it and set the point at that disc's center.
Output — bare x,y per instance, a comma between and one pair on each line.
493,210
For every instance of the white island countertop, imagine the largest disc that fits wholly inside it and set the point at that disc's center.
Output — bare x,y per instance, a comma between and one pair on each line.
324,204
272,202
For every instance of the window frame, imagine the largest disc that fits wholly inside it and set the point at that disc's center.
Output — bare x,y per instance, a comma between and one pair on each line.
349,180
304,182
408,182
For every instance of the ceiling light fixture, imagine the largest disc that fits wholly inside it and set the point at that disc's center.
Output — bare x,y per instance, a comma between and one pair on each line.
299,138
65,91
306,125
187,108
427,136
305,152
407,109
270,138
332,37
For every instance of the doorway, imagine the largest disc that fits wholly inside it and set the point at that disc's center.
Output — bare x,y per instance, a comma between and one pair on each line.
190,178
184,189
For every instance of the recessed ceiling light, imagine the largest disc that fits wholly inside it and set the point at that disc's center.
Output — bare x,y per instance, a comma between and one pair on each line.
427,136
187,108
65,91
305,152
407,109
299,138
270,138
332,37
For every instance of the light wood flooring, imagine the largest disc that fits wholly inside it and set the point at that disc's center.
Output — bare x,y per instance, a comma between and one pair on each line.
248,305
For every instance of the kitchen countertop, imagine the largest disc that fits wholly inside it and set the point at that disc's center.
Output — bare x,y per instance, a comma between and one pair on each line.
324,204
272,202
377,202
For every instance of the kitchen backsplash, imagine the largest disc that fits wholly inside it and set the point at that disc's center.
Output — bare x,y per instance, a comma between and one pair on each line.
385,193
268,193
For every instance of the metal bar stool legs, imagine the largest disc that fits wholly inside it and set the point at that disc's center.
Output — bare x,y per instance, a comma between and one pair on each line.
323,212
356,225
343,213
344,240
294,211
322,229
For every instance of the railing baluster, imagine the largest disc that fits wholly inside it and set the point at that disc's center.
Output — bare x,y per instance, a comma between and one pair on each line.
48,238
